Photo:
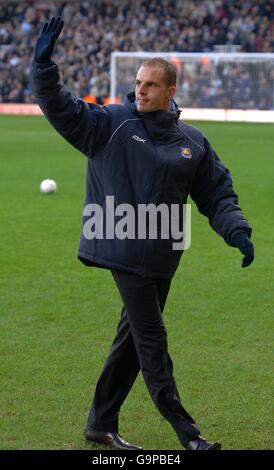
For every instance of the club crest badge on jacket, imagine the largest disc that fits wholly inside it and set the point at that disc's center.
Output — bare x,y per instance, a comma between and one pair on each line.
186,152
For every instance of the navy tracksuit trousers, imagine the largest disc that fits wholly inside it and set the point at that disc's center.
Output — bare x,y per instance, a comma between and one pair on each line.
140,344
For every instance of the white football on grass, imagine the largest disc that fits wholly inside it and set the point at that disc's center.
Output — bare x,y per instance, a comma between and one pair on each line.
48,186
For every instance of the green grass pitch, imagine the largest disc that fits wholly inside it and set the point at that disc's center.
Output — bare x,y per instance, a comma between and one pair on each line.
58,318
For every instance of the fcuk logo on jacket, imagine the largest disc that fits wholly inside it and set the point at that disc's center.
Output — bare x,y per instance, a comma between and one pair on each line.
186,152
136,137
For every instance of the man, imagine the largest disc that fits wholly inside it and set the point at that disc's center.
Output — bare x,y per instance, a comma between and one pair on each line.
139,153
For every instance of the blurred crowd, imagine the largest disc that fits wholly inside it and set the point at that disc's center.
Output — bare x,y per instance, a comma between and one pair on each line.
93,29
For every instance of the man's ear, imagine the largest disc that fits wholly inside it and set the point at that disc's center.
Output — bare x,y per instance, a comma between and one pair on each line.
172,91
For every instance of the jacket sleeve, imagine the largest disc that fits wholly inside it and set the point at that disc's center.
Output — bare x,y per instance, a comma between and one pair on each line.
85,126
214,195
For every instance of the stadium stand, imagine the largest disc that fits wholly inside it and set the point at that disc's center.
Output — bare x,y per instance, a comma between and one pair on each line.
93,29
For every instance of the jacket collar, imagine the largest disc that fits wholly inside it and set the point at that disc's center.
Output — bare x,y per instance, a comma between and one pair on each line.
160,118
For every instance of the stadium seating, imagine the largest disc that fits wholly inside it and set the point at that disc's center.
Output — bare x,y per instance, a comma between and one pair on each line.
94,29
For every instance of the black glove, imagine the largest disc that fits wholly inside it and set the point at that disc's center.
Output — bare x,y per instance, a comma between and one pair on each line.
47,39
246,247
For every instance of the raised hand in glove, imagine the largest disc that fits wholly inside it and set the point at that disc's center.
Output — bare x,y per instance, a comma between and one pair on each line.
47,39
246,247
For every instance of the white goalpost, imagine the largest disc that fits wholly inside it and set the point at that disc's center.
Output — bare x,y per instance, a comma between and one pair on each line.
211,86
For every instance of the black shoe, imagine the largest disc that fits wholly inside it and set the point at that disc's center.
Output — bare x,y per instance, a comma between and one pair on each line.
112,439
202,444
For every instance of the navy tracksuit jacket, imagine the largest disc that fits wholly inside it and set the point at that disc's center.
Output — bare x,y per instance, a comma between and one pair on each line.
139,159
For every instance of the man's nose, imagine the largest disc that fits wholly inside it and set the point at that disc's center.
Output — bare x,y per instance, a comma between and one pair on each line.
142,90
